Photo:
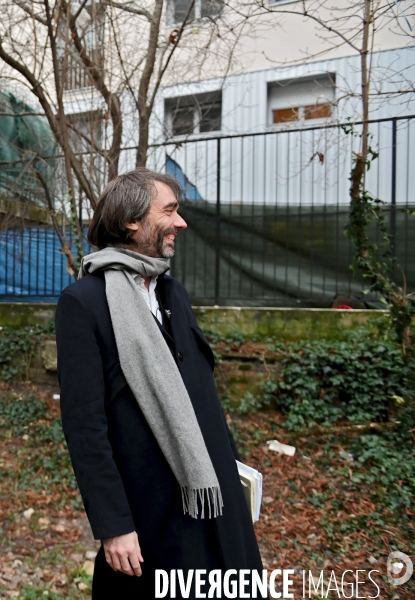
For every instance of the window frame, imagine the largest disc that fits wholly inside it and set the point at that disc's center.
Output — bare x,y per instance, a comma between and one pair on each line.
301,111
197,103
170,10
301,106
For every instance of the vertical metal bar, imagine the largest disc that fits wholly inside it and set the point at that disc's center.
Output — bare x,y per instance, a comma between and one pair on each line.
406,250
231,211
45,263
80,211
218,222
241,218
29,279
350,244
275,217
300,237
185,263
288,214
253,212
338,265
207,214
325,250
312,252
37,260
54,249
7,261
264,219
21,265
195,245
392,230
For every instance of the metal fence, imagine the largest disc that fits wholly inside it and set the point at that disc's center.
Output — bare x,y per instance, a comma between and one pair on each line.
266,214
32,267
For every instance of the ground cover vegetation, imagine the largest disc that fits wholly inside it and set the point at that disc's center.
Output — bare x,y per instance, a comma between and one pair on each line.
360,379
17,349
344,501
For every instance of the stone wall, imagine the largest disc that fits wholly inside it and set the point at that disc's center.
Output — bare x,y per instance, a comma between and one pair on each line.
235,374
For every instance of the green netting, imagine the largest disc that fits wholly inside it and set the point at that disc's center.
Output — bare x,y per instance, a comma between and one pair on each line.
256,255
27,145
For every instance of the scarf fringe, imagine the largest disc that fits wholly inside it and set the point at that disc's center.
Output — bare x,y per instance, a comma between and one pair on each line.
192,497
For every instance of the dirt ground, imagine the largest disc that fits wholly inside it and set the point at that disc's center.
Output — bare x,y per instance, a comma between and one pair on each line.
314,518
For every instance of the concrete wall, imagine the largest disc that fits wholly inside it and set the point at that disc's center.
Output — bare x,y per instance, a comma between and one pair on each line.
235,374
282,323
288,324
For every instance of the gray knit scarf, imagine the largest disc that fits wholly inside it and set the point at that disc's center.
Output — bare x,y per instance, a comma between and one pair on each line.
153,376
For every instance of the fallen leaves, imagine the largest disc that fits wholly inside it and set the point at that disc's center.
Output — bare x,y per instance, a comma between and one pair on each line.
313,515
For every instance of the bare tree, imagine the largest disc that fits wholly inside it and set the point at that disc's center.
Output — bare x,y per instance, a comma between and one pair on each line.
94,69
354,26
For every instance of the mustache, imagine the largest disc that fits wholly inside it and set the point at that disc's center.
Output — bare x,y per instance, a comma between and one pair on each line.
171,230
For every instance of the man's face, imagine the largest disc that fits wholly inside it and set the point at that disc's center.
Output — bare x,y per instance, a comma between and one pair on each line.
155,234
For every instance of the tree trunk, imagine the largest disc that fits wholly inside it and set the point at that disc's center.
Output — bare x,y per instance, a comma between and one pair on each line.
142,149
142,100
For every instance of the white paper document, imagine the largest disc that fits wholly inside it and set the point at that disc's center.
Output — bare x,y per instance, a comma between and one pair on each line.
251,480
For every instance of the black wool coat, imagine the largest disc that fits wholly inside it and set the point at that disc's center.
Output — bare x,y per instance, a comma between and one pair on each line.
124,479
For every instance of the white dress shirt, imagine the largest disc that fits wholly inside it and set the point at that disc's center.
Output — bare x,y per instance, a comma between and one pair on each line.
149,295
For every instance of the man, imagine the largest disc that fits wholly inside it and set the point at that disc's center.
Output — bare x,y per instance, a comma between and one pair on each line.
151,450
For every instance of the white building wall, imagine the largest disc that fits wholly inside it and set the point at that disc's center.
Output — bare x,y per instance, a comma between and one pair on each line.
278,168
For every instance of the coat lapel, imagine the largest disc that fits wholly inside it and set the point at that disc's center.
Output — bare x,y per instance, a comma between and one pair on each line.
165,333
179,323
164,292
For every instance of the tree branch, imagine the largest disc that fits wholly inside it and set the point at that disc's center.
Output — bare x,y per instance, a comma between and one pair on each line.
29,10
135,11
143,109
112,101
166,64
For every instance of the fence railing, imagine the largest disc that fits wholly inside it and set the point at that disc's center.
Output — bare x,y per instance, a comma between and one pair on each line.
266,214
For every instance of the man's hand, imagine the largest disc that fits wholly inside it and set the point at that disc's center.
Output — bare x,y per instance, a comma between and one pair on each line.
123,553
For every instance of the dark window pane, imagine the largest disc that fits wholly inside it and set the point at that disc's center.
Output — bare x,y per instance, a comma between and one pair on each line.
211,8
183,120
211,117
201,112
181,8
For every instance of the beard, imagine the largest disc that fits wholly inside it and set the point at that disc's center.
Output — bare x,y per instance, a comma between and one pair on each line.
153,241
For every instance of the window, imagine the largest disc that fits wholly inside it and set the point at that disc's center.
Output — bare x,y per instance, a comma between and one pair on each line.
201,113
301,100
317,111
75,75
90,24
178,10
282,115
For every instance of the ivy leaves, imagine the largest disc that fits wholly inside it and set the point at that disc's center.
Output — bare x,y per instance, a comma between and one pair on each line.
17,347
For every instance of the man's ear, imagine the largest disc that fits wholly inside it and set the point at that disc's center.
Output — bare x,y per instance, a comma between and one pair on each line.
134,226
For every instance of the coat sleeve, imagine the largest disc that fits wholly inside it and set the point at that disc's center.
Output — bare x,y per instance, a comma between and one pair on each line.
81,379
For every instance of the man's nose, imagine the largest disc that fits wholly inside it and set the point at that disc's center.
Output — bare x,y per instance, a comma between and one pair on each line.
179,222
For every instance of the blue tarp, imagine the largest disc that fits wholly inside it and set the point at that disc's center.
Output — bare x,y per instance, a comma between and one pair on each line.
190,191
32,268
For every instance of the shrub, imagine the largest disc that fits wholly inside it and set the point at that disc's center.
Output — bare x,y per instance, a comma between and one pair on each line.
323,382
